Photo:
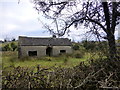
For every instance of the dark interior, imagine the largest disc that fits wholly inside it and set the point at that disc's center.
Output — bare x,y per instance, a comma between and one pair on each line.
32,53
49,51
62,51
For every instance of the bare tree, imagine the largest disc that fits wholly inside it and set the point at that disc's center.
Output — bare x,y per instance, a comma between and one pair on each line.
95,15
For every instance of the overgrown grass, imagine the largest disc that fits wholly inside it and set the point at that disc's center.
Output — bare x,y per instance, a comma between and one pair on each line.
85,70
10,58
98,75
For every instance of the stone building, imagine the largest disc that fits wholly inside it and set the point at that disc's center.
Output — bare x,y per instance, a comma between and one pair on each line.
31,46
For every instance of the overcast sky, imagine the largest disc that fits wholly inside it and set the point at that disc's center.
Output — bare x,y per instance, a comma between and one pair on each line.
22,20
19,19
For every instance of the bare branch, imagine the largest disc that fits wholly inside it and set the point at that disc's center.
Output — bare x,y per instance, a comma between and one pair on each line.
91,20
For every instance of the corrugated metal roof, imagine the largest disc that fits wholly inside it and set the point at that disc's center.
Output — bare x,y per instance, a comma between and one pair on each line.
33,41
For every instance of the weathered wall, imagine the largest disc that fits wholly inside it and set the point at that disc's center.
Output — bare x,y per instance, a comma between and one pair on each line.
41,50
56,49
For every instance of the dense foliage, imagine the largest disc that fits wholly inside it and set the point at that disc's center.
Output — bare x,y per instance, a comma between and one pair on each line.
98,74
94,73
12,46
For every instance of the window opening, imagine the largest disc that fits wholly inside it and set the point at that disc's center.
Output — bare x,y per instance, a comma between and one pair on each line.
32,53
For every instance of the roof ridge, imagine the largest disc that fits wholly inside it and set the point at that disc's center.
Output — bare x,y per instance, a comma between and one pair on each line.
44,41
40,37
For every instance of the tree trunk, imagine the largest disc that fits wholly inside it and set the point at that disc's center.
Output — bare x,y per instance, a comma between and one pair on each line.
112,46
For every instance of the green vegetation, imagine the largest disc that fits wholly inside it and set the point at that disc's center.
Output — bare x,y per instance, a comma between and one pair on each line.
99,72
10,46
10,58
87,68
80,54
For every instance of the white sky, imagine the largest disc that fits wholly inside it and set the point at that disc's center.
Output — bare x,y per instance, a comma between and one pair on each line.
22,19
19,19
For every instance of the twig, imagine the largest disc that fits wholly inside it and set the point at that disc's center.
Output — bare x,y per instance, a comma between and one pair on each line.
89,76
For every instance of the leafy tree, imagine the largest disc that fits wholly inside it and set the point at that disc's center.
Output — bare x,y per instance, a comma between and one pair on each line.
5,40
13,39
6,48
76,47
94,15
89,45
13,46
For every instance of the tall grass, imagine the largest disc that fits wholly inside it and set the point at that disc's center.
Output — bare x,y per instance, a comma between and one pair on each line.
99,74
10,58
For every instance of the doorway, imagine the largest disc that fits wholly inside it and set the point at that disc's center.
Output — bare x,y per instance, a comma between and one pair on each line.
49,51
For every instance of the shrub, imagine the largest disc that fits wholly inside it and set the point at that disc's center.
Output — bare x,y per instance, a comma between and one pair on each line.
78,54
76,47
9,46
89,45
101,73
13,46
65,60
6,48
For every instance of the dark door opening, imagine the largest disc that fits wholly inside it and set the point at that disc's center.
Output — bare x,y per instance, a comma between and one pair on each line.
32,53
49,51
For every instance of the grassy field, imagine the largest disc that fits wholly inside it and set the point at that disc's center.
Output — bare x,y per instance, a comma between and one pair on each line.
57,71
10,58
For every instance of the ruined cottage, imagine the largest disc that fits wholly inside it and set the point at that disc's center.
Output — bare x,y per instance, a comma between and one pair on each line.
32,46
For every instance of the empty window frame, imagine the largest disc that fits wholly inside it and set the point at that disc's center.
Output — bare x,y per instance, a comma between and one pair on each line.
32,53
62,51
